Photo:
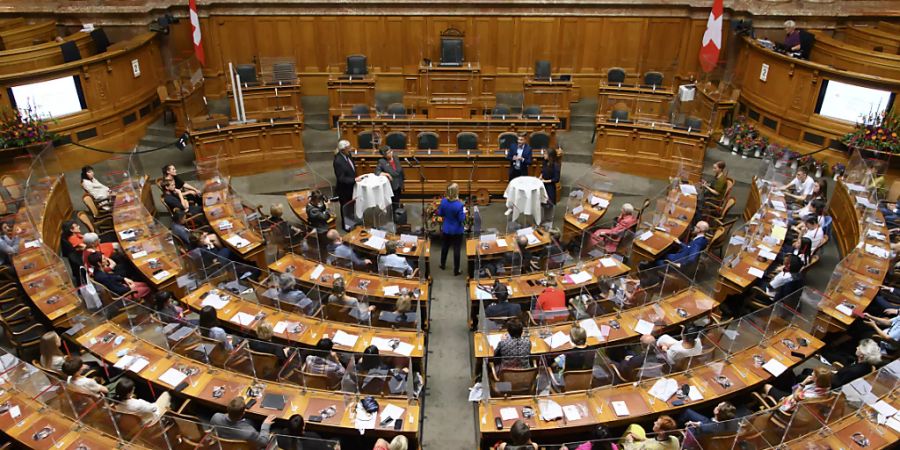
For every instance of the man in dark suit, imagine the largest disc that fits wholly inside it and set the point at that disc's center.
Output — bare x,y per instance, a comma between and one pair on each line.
519,156
503,308
345,177
687,253
645,357
721,422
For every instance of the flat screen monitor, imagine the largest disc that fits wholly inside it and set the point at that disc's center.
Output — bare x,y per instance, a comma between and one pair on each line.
51,98
849,102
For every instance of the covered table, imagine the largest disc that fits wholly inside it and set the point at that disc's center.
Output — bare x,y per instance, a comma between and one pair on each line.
372,190
524,195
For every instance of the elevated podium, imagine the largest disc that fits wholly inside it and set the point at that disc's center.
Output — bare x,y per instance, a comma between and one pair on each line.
345,91
450,92
552,96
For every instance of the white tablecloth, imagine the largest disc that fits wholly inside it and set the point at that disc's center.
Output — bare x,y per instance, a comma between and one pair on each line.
524,195
372,190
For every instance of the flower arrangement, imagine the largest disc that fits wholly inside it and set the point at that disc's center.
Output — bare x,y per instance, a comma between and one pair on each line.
876,131
434,221
19,128
838,170
744,138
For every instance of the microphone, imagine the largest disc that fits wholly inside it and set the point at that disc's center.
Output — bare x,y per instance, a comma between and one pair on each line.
416,160
407,161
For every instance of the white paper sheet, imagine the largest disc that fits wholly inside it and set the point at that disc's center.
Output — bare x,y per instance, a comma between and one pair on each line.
779,206
344,339
317,272
376,242
577,210
225,225
33,244
509,413
664,388
646,235
243,319
139,255
688,189
775,367
755,272
893,423
488,238
591,329
408,239
550,410
884,408
15,412
161,275
392,290
620,408
494,340
127,234
608,262
584,217
737,240
557,340
173,377
215,301
843,309
694,394
572,413
643,327
393,411
378,233
501,242
364,421
580,277
237,241
768,254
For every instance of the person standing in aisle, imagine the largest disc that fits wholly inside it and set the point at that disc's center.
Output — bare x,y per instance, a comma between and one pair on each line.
345,177
453,212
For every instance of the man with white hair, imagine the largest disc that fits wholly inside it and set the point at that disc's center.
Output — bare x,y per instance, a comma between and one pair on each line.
345,176
792,36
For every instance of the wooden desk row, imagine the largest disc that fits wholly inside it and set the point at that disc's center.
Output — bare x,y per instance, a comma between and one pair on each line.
681,308
346,92
251,148
596,406
216,387
650,244
298,329
840,433
594,205
479,250
765,233
40,426
24,35
43,55
269,97
641,102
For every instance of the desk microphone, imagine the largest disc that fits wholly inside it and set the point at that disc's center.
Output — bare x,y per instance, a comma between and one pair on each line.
407,161
416,160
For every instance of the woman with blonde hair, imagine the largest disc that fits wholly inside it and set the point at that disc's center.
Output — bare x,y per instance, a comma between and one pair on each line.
453,212
51,356
398,443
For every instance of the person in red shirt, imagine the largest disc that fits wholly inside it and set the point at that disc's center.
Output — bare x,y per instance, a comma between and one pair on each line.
551,299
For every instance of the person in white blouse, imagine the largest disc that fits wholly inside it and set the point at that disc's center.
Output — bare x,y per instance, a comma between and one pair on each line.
51,356
802,184
71,368
97,190
148,412
675,350
813,231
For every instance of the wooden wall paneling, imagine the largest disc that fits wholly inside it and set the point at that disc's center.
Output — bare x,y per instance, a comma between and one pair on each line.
662,46
238,36
566,45
889,27
844,56
396,47
12,22
43,55
275,37
501,39
534,41
416,47
486,28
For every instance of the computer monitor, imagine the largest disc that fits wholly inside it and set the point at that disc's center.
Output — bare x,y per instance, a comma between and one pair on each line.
451,51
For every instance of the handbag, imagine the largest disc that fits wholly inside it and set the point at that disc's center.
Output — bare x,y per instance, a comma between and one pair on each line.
89,293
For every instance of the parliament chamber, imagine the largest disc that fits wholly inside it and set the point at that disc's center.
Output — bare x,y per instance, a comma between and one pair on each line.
670,225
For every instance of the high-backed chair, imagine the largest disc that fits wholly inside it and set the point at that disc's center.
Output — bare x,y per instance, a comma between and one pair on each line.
531,111
364,140
615,75
356,65
396,140
619,115
466,140
653,79
539,140
427,140
284,72
396,110
693,123
500,111
360,111
513,381
507,140
247,72
542,70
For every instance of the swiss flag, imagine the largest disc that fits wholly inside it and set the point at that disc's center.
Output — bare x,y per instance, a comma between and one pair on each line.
195,33
712,38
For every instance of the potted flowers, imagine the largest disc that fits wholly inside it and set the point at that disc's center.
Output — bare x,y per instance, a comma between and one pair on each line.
877,136
23,129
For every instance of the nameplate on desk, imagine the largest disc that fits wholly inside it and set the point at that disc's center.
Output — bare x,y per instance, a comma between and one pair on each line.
753,271
139,255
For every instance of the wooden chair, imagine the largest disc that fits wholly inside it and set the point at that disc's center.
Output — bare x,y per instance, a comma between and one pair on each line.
576,380
233,444
644,206
376,385
339,313
521,381
320,381
25,338
103,227
265,365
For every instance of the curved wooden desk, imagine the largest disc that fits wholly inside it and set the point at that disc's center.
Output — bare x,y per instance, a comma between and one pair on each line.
852,57
25,35
219,209
251,148
595,406
651,244
499,248
298,200
66,433
655,150
872,38
663,314
43,55
100,341
839,434
735,277
593,206
311,329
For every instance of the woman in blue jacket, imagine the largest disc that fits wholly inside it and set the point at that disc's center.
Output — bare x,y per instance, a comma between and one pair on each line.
454,214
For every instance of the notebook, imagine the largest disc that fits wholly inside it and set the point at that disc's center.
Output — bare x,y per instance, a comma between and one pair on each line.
273,401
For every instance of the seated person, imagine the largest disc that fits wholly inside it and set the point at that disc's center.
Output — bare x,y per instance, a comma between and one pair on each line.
97,190
720,423
181,232
324,361
785,279
359,311
891,213
791,37
233,425
394,261
51,356
812,230
519,437
170,173
514,349
802,186
176,201
676,350
713,189
263,342
399,442
343,251
209,327
402,314
167,307
9,242
276,221
890,332
502,307
816,385
71,232
623,291
72,368
211,244
293,436
551,299
371,367
285,290
318,216
116,284
608,238
686,254
148,412
868,356
116,262
556,255
635,437
576,359
645,355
